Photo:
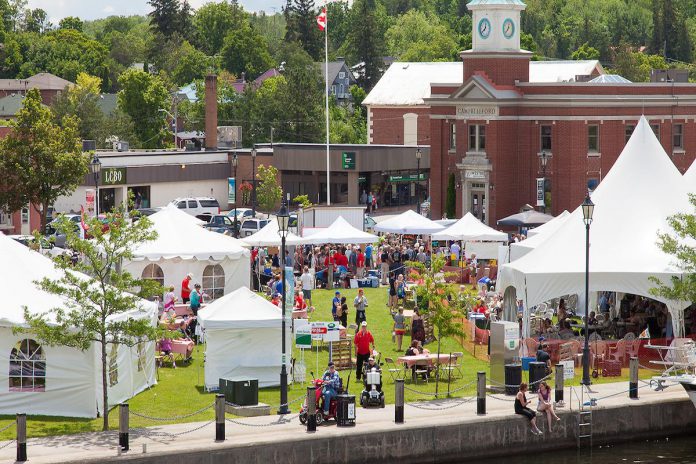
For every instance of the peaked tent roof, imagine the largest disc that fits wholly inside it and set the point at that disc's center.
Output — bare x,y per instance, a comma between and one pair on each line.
543,232
268,236
632,203
409,222
525,218
340,231
470,228
550,227
690,178
240,309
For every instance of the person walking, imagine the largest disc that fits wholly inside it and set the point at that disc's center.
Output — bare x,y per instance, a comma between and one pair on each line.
336,305
186,288
360,303
521,408
399,327
307,281
384,265
362,340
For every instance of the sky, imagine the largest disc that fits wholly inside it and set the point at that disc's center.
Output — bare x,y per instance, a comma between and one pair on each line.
93,9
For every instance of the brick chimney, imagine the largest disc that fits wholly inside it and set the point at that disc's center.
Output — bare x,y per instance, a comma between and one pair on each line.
211,120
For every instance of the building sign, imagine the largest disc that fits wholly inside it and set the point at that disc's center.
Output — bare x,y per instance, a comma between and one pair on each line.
348,160
407,178
475,174
113,176
231,190
477,112
540,192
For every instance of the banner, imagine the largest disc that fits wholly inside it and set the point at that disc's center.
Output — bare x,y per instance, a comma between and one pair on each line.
89,202
326,331
289,286
231,190
540,192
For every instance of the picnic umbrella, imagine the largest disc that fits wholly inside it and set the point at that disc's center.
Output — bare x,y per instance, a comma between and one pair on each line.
525,219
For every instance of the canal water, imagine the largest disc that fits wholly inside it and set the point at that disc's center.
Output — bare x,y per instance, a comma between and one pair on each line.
681,450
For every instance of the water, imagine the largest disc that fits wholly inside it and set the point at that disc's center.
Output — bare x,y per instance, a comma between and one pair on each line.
680,450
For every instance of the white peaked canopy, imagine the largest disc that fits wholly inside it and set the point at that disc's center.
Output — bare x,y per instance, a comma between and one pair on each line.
56,380
269,236
551,226
340,231
470,228
175,212
632,203
409,222
690,178
243,337
517,250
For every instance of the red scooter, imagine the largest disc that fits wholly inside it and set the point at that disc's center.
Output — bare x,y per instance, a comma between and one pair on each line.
321,417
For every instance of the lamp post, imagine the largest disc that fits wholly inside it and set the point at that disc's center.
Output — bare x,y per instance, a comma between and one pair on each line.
587,211
544,161
283,222
235,162
253,180
419,155
95,166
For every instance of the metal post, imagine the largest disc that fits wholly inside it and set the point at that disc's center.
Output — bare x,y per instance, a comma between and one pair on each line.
481,393
219,417
418,206
558,394
330,276
283,371
21,437
633,378
586,350
253,180
123,426
96,194
236,226
399,401
311,409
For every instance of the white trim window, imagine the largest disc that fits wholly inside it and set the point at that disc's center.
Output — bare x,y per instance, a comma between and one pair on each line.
477,137
214,281
153,272
677,136
593,138
27,367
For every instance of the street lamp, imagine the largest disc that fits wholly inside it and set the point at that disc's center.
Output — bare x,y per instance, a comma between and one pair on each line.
419,155
235,162
587,211
544,161
95,166
283,222
253,179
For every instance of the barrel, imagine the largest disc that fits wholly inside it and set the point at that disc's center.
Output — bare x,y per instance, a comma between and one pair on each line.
513,378
537,371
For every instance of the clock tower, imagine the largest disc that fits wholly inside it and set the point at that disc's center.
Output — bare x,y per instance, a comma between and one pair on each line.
496,42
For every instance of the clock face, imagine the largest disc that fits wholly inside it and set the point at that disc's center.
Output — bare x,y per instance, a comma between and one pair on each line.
508,28
484,28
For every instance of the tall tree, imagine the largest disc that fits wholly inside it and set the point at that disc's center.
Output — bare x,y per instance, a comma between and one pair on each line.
142,96
71,22
268,192
366,39
419,37
39,160
301,19
170,17
82,101
245,51
213,21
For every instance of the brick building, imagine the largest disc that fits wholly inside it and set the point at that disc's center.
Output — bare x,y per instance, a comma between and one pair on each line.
493,127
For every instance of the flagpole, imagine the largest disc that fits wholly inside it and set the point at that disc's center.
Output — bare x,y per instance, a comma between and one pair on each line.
326,93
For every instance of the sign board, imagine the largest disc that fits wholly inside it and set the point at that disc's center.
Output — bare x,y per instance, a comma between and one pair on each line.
475,174
231,190
540,192
407,178
478,111
326,331
113,176
303,337
348,158
511,337
89,202
568,369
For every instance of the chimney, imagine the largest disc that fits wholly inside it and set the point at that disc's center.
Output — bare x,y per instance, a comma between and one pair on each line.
211,112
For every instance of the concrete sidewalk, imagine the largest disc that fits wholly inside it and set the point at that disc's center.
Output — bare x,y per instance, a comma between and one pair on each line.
174,442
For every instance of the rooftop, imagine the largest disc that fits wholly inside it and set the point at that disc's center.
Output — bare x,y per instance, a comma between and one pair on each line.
41,81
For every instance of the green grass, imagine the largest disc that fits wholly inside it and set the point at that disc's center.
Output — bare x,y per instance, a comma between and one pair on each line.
180,391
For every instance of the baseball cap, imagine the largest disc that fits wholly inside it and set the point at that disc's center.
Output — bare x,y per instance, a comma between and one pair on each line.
363,323
337,292
331,364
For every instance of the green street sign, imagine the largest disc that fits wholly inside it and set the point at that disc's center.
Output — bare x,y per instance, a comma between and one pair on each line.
348,160
113,176
407,178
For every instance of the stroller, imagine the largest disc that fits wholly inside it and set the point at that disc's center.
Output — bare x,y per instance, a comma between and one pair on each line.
372,394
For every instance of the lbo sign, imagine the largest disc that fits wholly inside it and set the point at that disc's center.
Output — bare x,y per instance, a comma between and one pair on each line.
113,176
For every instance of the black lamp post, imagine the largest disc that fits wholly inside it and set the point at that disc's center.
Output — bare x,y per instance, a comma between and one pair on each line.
253,179
587,211
544,161
419,155
95,166
283,222
235,162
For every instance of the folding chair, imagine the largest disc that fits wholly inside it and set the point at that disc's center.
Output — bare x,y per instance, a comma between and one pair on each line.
392,368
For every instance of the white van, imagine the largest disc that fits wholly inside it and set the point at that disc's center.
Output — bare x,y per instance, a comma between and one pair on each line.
196,206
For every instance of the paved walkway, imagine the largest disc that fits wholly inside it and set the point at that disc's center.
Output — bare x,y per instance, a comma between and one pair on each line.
200,435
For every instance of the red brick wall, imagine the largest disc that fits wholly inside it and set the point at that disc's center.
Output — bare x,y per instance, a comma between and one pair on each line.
388,124
502,71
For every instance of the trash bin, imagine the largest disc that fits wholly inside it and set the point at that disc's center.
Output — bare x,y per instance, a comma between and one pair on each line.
241,391
513,378
537,371
345,410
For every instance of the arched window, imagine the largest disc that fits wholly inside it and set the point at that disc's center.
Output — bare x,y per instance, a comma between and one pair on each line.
27,367
113,365
214,281
153,272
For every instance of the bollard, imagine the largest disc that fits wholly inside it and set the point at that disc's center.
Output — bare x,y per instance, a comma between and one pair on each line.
219,417
633,379
21,437
481,393
399,401
558,393
123,426
312,409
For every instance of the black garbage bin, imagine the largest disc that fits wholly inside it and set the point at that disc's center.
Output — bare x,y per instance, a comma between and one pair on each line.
345,410
513,378
537,371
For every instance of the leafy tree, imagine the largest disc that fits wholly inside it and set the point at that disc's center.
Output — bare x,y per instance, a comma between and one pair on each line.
268,191
39,160
213,21
71,22
189,64
347,125
10,57
36,20
300,16
302,201
636,66
670,35
81,100
95,306
451,199
417,37
141,97
366,39
245,51
170,17
585,52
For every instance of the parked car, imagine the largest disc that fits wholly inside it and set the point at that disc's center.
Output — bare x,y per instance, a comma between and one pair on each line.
45,246
242,213
59,238
196,206
220,223
251,226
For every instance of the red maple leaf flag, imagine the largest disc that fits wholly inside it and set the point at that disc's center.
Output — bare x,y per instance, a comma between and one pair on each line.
321,19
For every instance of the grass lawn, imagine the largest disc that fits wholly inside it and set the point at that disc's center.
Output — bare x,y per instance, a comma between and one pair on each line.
180,391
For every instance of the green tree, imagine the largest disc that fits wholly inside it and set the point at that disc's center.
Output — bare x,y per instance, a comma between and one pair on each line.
302,201
636,66
585,52
94,307
300,17
419,37
170,17
365,40
71,22
268,191
189,64
451,200
36,20
39,160
213,21
81,100
245,51
142,96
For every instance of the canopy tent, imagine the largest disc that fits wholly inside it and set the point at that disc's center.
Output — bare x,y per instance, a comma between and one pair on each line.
269,236
470,228
525,219
340,231
409,222
243,337
519,249
57,380
551,226
632,203
219,262
690,178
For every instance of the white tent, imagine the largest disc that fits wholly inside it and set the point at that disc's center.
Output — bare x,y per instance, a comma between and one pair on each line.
517,250
243,337
632,203
56,380
409,222
471,228
550,226
268,236
690,178
219,262
340,231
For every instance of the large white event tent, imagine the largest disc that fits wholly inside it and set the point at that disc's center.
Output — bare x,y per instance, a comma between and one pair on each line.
519,249
57,380
409,222
217,261
243,339
269,236
632,203
690,178
340,231
550,226
468,228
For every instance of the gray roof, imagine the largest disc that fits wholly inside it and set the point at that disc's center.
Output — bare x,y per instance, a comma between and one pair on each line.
610,79
334,68
41,81
11,104
495,2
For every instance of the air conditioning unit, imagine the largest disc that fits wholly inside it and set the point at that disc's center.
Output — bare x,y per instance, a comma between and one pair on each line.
89,145
229,136
121,146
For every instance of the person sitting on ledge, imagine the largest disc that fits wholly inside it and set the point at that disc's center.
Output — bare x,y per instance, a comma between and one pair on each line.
522,409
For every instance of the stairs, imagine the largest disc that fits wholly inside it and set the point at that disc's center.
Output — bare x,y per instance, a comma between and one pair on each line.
584,431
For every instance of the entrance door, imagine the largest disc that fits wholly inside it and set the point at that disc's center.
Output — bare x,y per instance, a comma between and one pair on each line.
107,199
478,204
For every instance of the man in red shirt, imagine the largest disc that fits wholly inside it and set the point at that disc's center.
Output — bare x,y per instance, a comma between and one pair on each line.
360,262
186,288
363,339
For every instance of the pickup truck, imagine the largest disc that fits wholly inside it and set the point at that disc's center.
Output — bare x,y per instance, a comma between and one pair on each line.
220,223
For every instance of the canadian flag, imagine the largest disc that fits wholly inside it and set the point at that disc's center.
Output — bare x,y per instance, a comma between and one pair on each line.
321,19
